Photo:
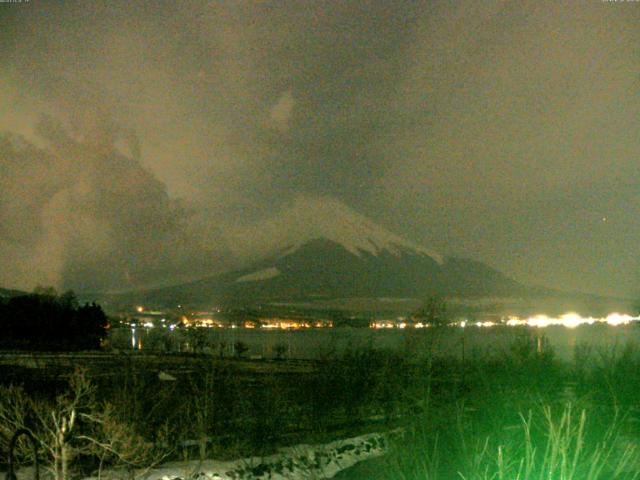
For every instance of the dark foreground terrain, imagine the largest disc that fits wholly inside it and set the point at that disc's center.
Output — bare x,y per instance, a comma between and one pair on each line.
517,413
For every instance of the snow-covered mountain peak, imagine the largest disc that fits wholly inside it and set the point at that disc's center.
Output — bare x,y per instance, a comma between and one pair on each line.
306,219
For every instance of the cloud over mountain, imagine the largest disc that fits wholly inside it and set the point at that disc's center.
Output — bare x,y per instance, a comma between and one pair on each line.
79,213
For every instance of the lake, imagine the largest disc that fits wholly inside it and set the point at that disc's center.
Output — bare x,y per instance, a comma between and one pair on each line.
316,343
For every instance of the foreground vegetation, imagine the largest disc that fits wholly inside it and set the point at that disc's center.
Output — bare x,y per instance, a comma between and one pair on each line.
517,413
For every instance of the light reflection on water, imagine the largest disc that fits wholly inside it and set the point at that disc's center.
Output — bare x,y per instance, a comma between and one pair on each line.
306,344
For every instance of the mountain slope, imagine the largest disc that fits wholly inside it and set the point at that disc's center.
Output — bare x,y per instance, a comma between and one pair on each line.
307,219
7,293
322,268
324,250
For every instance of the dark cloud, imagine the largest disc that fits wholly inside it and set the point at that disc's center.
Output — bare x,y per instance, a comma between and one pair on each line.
502,131
84,215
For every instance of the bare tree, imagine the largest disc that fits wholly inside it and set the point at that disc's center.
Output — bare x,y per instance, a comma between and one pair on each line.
74,424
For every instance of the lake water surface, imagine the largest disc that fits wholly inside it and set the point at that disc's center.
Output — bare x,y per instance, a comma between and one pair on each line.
456,341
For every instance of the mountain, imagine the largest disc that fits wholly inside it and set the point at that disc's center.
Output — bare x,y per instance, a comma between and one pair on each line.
323,268
321,249
306,219
6,293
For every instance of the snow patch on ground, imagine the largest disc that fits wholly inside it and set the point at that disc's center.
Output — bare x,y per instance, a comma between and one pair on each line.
291,463
300,462
264,274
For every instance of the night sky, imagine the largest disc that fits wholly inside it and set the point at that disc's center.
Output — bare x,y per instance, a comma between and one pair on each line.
137,135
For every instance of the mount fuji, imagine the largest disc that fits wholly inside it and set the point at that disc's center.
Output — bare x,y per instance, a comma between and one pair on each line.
321,249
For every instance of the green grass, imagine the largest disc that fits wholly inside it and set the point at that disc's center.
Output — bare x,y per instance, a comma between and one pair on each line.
524,415
559,442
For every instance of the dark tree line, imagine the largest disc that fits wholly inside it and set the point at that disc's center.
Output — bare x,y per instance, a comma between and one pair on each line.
44,320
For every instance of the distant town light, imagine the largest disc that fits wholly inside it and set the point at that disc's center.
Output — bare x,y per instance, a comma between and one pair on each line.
485,324
571,320
568,320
